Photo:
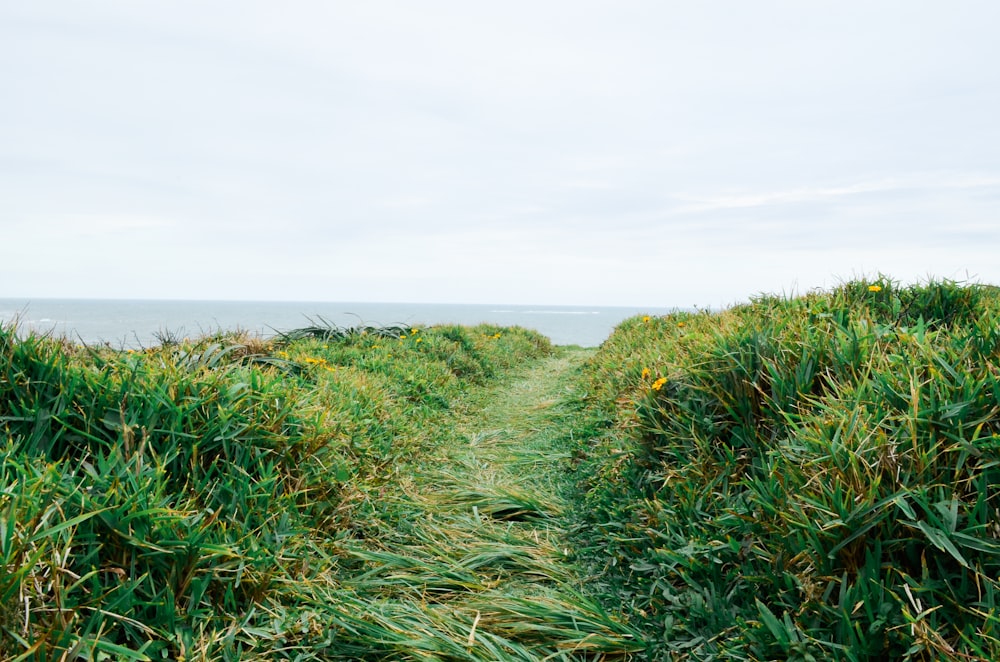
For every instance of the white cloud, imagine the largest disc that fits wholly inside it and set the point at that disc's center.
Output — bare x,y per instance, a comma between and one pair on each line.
920,182
595,152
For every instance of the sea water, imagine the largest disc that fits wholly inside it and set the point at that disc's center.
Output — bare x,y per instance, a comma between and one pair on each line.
135,323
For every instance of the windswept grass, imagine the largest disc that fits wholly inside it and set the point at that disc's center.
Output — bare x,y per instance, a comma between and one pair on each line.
477,536
236,499
803,478
806,478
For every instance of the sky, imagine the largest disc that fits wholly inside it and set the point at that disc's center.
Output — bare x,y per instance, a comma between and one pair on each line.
634,153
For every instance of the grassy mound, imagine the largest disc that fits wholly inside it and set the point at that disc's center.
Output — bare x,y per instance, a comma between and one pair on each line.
803,478
193,500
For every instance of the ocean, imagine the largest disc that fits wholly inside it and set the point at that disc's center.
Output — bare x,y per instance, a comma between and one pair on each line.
134,324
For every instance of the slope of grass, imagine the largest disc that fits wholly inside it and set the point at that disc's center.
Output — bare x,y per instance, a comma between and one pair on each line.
803,478
795,478
233,499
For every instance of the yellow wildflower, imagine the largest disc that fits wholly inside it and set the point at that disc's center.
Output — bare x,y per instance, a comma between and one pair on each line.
874,288
658,384
681,325
645,373
420,339
646,318
414,330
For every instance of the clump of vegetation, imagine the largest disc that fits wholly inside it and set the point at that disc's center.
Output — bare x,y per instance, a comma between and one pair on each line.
804,478
323,329
199,499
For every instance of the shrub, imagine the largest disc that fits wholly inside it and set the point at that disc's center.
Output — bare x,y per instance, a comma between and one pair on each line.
805,478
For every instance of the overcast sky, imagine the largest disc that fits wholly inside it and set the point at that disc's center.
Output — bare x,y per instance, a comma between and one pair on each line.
565,152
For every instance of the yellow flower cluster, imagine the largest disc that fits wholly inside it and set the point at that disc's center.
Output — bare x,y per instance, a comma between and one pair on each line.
874,288
658,384
413,334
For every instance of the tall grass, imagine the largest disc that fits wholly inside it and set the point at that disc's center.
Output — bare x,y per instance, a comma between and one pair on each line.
803,478
212,499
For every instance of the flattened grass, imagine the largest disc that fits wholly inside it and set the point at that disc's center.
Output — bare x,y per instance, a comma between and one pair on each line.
478,536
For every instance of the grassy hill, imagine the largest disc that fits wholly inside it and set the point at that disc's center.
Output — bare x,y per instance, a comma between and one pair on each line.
233,499
806,478
802,478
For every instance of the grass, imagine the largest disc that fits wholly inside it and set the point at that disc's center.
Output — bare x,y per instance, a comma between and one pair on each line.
477,535
802,478
234,499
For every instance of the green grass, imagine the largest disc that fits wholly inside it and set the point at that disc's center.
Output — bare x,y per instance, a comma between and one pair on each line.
802,478
310,497
477,533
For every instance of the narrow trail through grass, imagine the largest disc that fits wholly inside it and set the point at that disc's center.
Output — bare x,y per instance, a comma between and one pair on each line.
513,452
475,566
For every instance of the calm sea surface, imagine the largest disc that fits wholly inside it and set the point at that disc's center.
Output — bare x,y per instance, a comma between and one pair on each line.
140,323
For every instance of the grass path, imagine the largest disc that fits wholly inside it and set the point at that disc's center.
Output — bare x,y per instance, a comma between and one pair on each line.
472,567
